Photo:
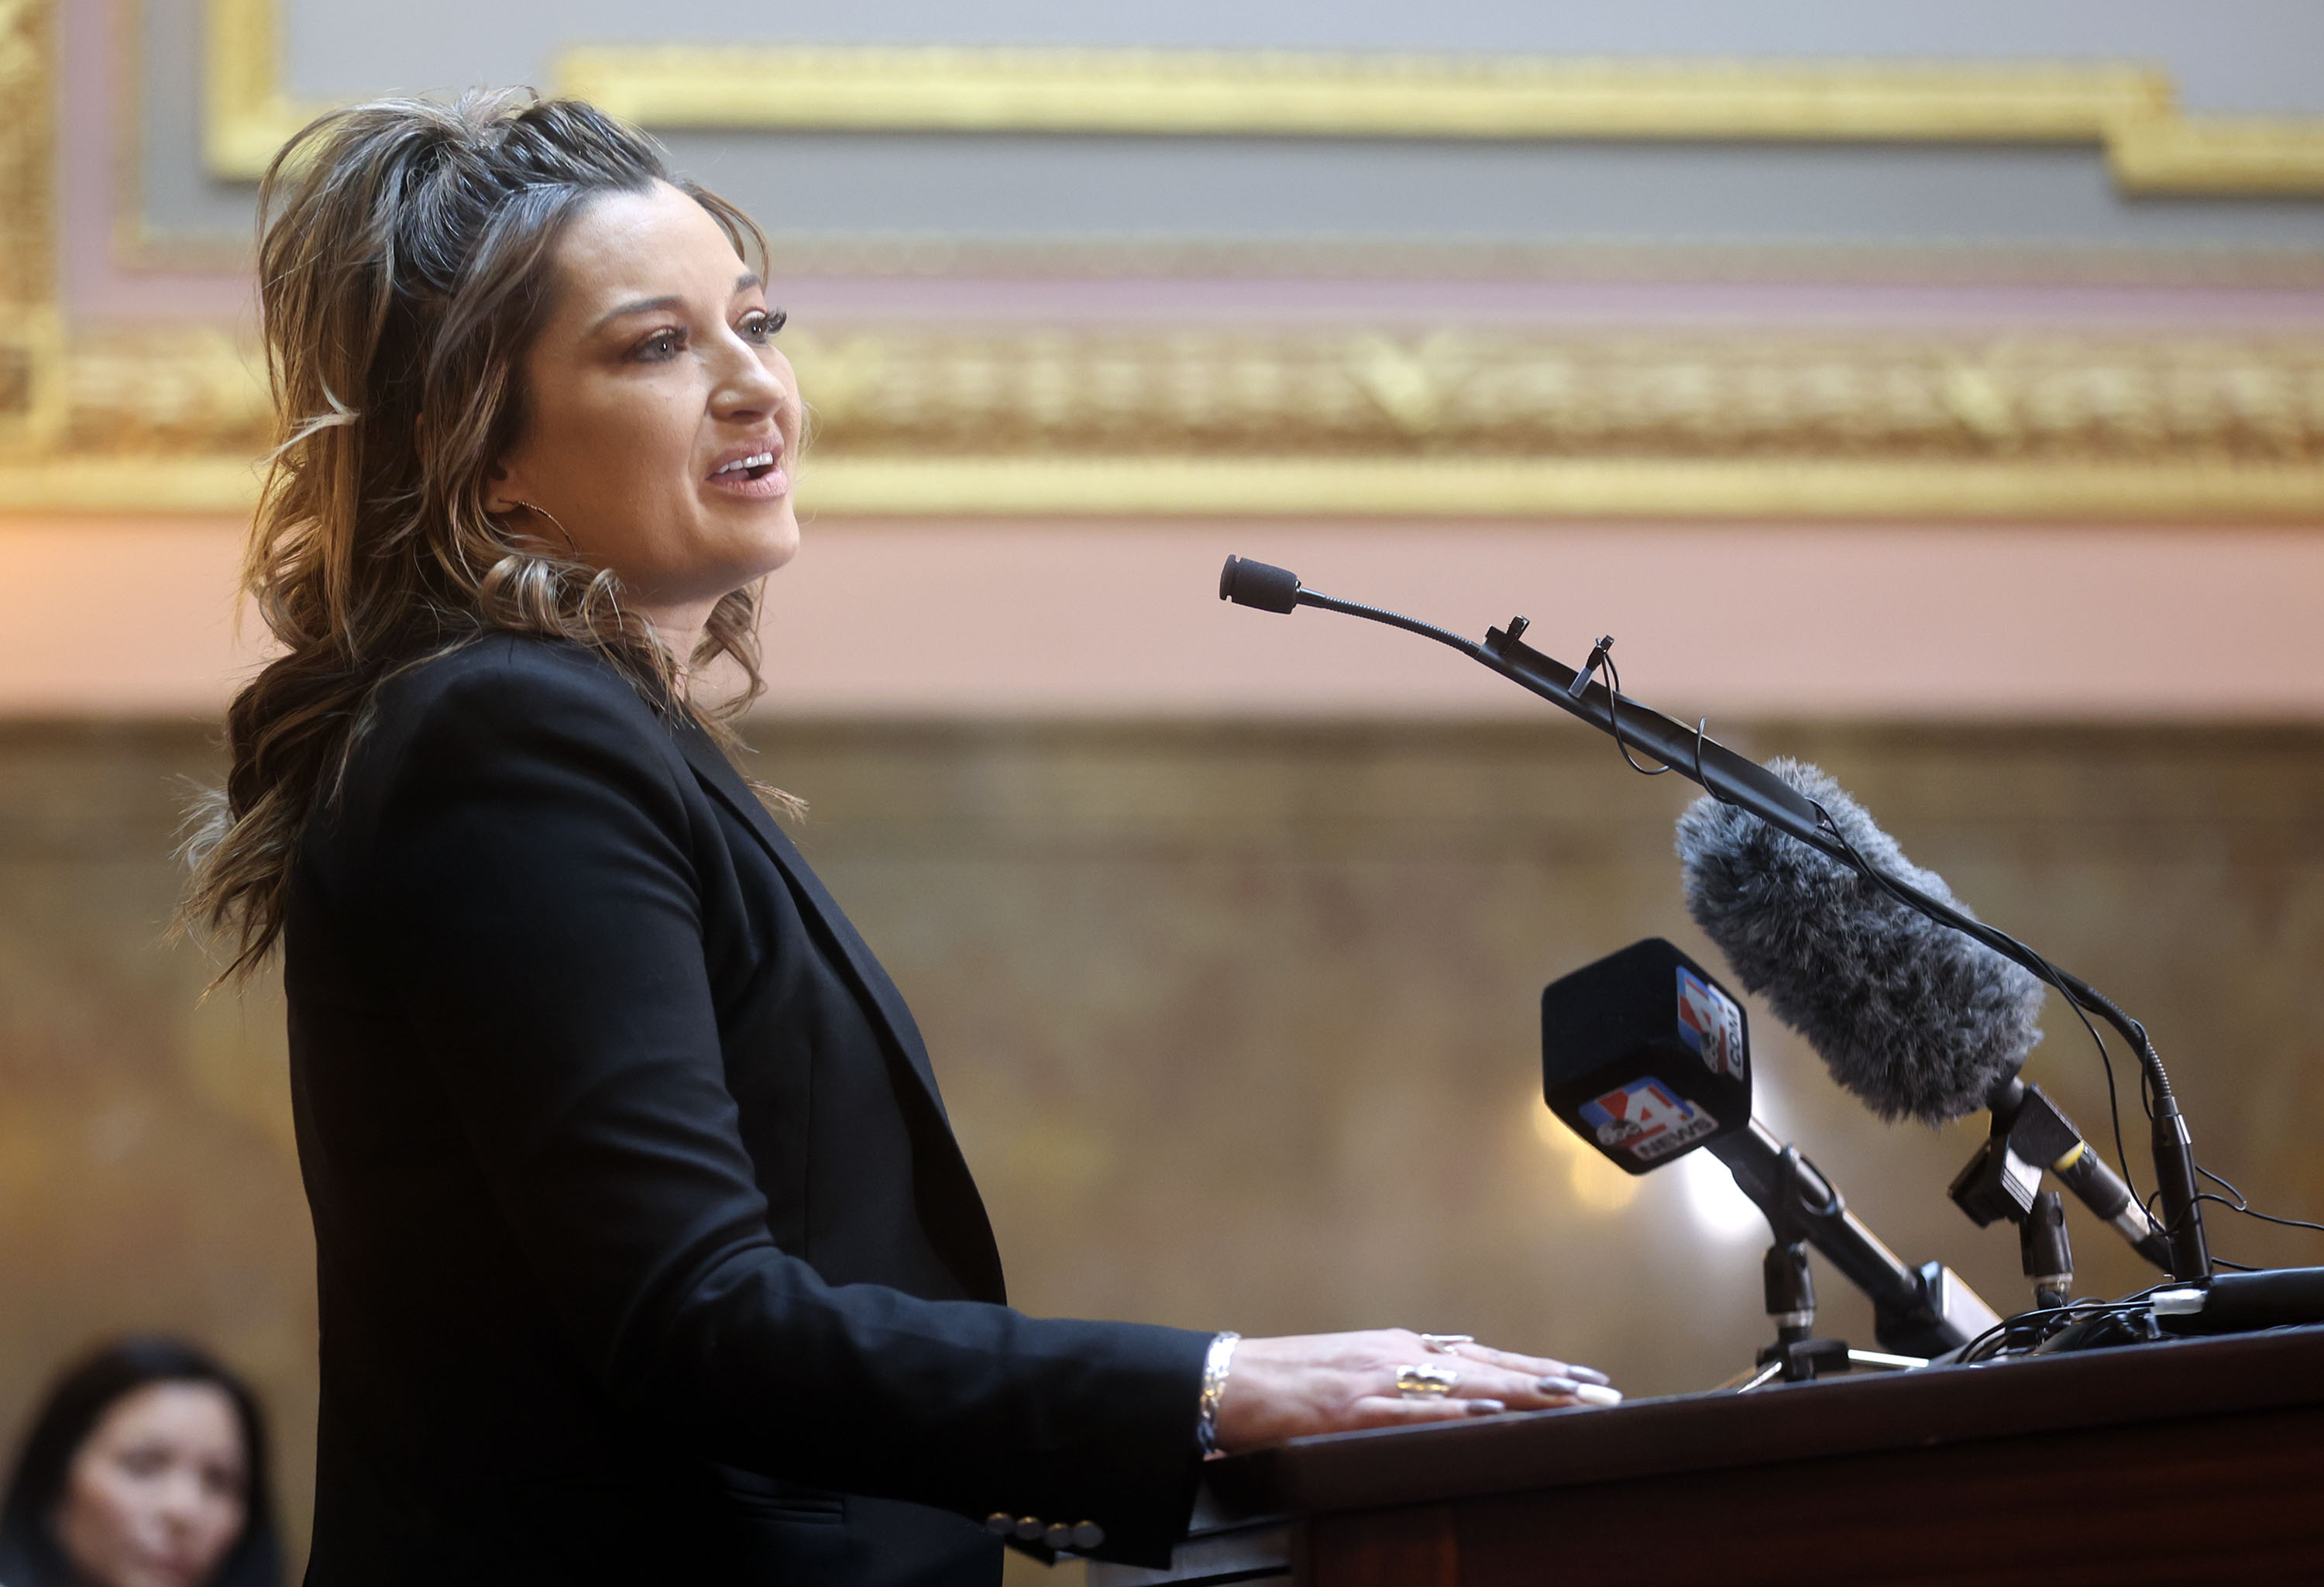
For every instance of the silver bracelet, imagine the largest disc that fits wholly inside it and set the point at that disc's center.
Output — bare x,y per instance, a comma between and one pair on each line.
1215,1366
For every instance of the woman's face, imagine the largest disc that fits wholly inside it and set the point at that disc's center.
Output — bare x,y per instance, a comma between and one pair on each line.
158,1491
661,423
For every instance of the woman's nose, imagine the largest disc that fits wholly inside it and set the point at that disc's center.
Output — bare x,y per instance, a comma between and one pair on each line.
747,388
179,1499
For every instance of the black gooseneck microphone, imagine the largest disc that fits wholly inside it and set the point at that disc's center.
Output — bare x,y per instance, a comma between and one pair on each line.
1735,780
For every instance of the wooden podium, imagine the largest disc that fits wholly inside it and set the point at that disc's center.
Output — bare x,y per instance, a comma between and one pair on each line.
2184,1462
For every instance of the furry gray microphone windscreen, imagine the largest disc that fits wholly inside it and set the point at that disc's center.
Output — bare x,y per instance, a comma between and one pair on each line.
1909,1015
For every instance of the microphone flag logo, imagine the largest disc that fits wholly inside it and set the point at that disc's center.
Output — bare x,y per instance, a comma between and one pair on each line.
1710,1023
1647,1119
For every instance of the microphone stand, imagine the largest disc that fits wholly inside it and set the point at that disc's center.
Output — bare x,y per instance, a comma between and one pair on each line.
2031,1135
1736,780
1917,1312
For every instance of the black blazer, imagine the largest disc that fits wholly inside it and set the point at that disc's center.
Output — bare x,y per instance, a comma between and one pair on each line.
646,1251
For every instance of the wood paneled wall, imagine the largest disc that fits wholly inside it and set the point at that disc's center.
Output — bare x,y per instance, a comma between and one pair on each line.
1238,1024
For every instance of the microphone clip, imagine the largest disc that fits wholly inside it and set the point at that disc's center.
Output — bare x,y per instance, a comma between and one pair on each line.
2031,1135
1598,656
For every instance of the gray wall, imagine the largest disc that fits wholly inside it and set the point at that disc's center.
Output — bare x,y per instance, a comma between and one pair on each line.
2249,55
2228,54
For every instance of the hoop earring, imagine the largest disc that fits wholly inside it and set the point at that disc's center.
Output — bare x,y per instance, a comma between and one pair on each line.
562,532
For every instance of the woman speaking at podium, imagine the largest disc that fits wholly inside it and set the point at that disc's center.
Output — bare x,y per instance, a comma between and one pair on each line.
646,1253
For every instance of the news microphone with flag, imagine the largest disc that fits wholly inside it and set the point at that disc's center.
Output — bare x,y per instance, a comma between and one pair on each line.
1915,1019
1644,1057
1647,1059
1738,780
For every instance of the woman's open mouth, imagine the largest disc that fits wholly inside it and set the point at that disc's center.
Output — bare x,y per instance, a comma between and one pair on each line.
755,474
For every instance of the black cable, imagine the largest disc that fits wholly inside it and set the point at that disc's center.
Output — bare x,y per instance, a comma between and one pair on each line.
2074,1308
2271,1217
2113,1101
2243,1207
2129,1304
2003,1329
1614,716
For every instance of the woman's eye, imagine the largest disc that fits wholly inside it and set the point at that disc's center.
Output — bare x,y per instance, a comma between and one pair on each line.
761,325
662,344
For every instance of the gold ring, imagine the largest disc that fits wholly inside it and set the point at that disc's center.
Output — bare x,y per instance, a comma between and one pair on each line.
1443,1344
1425,1380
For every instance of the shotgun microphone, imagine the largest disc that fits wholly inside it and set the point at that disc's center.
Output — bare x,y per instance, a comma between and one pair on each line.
1916,1019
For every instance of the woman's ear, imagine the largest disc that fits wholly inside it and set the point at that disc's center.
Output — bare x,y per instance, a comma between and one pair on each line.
501,496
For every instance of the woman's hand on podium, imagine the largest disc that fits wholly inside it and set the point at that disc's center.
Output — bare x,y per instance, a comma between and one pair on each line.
1288,1388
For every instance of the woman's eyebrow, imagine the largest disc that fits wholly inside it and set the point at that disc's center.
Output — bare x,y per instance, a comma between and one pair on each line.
743,283
642,305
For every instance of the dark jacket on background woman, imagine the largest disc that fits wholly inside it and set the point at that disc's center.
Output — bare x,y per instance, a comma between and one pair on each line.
646,1250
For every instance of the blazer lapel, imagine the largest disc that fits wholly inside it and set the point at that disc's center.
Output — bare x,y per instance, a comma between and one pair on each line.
718,774
957,1221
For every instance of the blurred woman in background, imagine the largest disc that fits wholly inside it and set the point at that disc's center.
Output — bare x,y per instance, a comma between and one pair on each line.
146,1467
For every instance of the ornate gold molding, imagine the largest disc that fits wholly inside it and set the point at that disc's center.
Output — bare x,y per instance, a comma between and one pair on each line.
246,116
1477,421
1508,392
1472,392
32,403
1451,421
27,154
1282,94
1821,489
2130,111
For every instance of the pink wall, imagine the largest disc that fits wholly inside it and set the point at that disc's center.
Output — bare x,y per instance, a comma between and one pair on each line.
119,618
969,619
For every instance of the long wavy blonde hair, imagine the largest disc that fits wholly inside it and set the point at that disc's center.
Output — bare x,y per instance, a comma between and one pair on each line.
405,260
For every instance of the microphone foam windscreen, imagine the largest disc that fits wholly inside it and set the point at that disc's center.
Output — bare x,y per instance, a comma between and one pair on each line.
1261,584
1910,1015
